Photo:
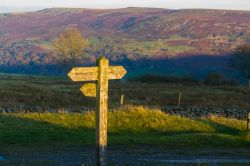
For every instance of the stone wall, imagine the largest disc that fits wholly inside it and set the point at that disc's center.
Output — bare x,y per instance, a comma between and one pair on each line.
196,112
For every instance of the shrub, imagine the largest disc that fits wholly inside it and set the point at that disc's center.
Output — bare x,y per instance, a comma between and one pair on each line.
215,79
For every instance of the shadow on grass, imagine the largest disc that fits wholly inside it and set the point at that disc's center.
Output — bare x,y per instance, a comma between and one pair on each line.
24,131
221,128
28,132
39,134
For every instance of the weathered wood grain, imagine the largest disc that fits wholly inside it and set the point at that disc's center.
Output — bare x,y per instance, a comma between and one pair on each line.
83,74
89,89
248,121
101,113
91,73
116,72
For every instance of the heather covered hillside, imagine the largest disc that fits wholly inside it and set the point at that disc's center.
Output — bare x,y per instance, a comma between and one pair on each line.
133,36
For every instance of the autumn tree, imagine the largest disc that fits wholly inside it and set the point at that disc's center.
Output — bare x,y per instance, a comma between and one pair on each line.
70,44
241,60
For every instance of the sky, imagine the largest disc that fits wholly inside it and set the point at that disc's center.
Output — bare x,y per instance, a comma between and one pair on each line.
32,5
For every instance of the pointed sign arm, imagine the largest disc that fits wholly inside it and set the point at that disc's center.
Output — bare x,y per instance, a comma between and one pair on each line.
89,89
91,73
83,74
116,72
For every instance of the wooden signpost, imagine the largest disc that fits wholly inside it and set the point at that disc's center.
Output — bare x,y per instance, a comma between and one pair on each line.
248,121
102,74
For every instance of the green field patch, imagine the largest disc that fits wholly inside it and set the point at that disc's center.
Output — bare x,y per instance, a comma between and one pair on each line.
127,125
59,92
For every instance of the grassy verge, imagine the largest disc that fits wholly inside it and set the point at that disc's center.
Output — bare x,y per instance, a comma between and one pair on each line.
61,92
129,125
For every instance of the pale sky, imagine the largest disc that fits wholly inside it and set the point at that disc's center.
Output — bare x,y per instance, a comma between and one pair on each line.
31,5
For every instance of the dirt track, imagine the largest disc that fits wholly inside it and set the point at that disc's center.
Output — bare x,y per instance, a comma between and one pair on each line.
120,155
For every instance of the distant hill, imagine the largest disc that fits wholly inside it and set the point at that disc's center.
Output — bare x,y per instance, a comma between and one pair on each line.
129,34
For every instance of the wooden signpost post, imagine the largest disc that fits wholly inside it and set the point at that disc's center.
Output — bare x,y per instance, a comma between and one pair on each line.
102,74
248,121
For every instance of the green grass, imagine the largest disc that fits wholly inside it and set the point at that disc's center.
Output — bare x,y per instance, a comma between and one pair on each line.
142,48
56,92
128,125
39,91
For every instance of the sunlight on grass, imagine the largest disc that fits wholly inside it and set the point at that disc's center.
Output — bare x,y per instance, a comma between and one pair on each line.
126,125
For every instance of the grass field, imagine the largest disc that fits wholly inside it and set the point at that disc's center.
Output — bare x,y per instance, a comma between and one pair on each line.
61,92
132,124
142,48
128,125
139,122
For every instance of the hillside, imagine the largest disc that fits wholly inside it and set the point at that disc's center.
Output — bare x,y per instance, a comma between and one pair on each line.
129,34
